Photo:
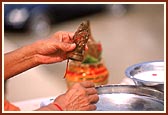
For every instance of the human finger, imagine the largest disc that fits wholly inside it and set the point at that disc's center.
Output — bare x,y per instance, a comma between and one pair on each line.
67,37
60,35
93,98
70,34
87,84
65,46
91,91
90,107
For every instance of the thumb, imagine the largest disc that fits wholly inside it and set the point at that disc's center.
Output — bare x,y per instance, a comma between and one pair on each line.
66,46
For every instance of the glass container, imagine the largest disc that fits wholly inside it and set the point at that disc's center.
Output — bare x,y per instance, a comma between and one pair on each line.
78,72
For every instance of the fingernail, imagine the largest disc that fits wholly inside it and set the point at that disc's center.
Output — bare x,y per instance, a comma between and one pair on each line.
73,45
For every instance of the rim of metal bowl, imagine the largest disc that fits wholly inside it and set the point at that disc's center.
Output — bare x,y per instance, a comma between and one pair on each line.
132,67
131,89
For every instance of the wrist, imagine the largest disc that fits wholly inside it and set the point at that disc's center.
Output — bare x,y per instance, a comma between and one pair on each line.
34,52
58,106
50,107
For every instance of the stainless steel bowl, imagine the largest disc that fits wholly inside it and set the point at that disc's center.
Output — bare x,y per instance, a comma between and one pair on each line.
155,66
129,98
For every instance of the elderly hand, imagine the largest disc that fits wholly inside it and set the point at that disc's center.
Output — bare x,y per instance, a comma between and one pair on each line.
55,48
80,97
51,50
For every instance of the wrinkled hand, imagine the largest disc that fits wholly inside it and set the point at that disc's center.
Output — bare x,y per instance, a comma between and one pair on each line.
55,48
80,97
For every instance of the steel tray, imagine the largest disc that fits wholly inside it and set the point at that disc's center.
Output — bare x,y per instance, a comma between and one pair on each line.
129,98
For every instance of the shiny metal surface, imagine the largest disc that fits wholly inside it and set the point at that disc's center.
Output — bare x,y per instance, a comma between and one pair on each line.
144,67
129,98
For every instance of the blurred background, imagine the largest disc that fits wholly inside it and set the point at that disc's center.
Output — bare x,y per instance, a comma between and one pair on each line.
129,33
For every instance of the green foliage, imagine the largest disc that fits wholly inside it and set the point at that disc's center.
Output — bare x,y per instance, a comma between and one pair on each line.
90,60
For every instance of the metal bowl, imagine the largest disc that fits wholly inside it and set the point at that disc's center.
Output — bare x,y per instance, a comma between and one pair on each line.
129,98
147,74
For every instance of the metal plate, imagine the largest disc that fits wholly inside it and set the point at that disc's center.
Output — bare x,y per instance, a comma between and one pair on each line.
129,98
